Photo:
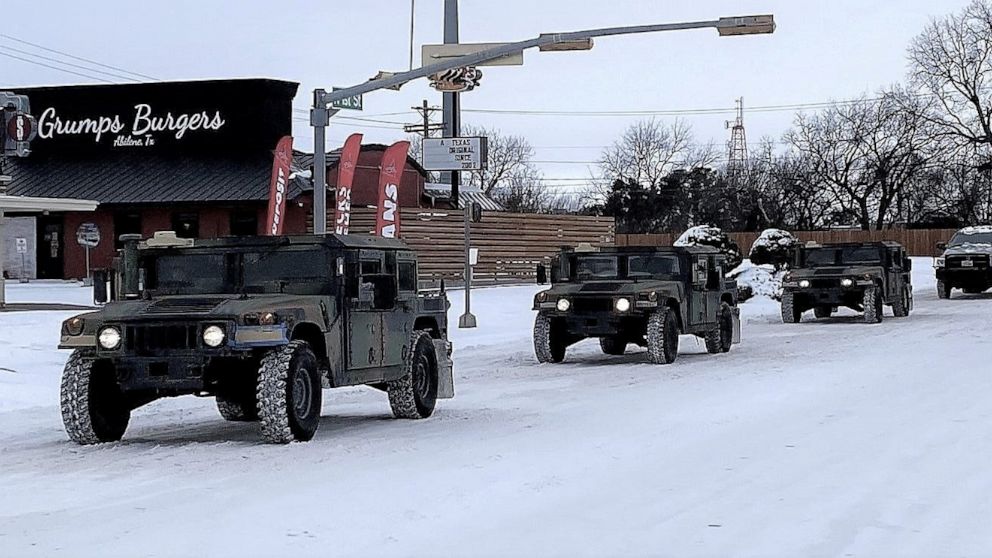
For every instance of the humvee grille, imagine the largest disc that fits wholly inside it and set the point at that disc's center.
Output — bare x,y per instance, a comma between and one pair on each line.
825,283
978,261
152,339
602,287
183,306
593,305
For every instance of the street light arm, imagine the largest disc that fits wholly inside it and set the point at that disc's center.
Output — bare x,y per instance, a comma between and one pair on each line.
478,58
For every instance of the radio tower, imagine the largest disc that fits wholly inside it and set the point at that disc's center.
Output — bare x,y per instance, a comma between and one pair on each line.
737,146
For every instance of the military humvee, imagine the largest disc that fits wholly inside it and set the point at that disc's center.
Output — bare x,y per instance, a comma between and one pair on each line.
862,276
259,323
644,296
966,262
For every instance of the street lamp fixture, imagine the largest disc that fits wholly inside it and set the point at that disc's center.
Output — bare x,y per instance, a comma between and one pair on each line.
746,25
560,45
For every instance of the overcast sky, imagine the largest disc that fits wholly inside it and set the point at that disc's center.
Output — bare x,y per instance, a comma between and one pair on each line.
821,51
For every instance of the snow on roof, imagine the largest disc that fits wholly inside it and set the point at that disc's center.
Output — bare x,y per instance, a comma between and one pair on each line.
770,237
980,229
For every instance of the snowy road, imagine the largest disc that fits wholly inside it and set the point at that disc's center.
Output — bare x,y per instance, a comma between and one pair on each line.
820,439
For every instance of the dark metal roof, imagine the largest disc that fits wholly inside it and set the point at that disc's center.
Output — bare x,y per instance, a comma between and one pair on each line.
126,178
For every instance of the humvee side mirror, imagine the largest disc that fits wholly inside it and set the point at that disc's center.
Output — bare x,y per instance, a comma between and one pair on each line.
907,264
101,287
542,274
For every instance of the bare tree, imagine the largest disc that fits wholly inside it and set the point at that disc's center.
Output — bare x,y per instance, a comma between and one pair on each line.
952,61
508,156
865,154
649,150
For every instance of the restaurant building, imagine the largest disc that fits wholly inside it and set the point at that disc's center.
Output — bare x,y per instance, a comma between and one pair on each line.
194,157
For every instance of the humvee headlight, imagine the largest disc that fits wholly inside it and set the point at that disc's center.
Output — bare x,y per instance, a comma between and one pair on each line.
622,304
74,326
265,318
542,296
109,338
804,284
563,305
653,296
846,282
213,336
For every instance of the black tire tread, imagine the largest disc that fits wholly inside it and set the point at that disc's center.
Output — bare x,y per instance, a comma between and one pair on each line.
402,399
74,398
271,394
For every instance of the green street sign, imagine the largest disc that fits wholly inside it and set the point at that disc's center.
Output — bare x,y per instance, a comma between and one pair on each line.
349,103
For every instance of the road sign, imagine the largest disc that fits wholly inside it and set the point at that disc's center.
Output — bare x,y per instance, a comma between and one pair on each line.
88,234
432,54
22,245
349,103
452,154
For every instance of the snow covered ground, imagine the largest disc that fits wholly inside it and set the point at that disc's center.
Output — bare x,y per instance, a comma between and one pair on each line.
829,438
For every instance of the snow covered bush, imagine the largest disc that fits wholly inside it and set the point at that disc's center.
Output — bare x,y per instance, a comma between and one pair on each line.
757,280
774,247
708,235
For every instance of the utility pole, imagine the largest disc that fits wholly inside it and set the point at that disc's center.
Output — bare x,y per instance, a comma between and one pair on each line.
426,127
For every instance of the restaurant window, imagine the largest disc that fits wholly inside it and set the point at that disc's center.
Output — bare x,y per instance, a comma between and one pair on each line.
126,223
244,222
186,224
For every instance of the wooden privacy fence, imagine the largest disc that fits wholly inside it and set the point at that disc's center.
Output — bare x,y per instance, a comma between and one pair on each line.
918,242
510,244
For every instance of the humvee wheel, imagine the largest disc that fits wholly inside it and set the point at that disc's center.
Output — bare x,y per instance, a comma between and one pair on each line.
288,393
547,345
790,314
663,337
613,345
415,394
721,338
823,311
872,305
94,409
900,308
237,409
943,290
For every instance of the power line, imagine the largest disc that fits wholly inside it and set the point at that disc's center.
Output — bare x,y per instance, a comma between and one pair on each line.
57,61
35,62
56,51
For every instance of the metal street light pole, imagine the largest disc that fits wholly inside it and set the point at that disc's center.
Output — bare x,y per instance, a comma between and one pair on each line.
576,40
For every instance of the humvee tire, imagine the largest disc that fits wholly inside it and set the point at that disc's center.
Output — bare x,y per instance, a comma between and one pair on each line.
94,409
663,336
289,393
721,338
237,409
613,345
415,394
943,290
872,304
547,347
823,311
790,314
900,307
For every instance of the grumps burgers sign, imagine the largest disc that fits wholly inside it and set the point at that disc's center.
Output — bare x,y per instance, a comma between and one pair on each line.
192,117
143,128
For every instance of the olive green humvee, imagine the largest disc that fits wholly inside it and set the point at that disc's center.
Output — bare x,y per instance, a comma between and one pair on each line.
864,277
636,295
259,323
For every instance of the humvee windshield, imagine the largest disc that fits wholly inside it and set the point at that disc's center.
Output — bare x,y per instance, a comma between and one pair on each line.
843,256
591,268
977,238
299,271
